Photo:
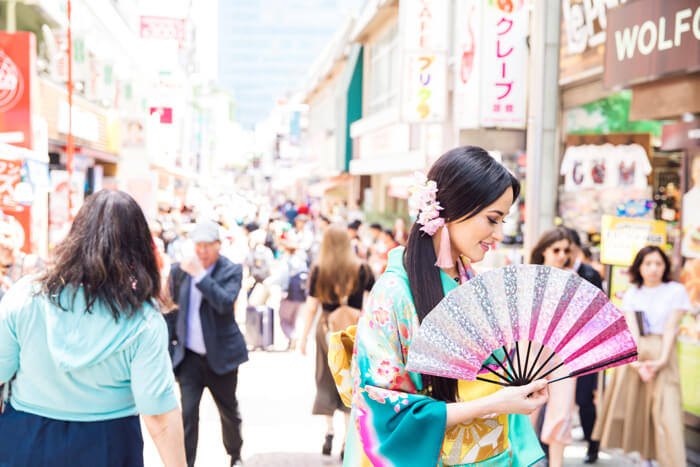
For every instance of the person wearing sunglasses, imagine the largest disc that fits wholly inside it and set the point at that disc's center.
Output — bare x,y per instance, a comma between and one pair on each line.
554,249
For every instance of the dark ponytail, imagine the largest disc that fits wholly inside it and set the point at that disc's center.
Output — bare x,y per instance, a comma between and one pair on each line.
468,181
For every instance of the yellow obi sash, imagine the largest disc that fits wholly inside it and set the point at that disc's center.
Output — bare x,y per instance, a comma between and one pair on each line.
480,439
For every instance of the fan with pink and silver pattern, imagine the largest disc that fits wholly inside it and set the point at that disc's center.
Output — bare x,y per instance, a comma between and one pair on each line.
543,319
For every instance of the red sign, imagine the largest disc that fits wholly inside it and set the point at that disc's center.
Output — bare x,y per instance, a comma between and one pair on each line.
164,113
17,72
161,27
10,176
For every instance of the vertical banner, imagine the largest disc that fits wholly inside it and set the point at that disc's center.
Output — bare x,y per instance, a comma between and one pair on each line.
468,63
423,27
504,64
17,72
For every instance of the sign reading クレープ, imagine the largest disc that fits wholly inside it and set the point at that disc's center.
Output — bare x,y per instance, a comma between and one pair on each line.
647,39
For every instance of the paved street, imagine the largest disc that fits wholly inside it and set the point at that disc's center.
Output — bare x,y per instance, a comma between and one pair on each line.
276,392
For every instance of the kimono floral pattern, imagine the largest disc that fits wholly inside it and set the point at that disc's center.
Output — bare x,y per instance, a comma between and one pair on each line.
394,422
390,411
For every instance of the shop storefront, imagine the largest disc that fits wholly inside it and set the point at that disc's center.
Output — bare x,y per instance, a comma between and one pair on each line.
23,158
630,91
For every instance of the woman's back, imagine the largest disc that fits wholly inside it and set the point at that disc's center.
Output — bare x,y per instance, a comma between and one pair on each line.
78,366
364,281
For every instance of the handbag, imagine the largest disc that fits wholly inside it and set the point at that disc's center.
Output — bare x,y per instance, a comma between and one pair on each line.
343,317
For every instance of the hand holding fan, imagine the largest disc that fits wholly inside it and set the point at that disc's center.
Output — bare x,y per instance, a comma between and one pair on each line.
537,306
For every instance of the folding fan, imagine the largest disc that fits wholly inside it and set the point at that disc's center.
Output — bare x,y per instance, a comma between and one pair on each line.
551,311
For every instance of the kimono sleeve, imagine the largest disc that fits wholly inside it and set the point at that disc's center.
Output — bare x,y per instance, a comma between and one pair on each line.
396,425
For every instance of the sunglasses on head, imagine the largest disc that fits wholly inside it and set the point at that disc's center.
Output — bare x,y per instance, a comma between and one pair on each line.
565,250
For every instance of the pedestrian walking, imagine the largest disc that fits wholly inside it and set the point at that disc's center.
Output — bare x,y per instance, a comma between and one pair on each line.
87,346
206,345
292,276
586,385
641,410
338,279
404,418
554,249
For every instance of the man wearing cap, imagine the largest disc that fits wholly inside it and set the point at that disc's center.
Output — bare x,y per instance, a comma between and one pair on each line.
206,345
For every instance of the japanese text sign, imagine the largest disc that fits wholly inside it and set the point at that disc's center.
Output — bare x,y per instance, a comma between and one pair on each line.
424,43
504,60
622,238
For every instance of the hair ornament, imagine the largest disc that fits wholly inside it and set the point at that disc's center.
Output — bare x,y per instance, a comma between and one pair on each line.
423,204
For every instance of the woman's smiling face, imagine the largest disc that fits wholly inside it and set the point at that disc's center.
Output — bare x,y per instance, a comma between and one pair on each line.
475,236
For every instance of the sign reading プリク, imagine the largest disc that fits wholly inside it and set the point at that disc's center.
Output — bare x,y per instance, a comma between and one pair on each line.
424,81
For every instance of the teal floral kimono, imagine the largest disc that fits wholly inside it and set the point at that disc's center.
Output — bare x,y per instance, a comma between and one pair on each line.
392,422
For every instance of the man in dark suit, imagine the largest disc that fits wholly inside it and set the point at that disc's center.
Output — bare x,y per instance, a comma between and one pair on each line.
586,385
206,345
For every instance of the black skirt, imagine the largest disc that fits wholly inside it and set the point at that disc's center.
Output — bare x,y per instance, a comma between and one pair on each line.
28,440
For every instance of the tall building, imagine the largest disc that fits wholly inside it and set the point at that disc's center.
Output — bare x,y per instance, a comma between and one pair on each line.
266,46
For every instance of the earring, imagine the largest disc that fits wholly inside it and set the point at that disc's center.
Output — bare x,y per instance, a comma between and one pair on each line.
444,259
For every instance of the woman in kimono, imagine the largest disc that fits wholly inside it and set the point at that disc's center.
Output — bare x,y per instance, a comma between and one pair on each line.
401,418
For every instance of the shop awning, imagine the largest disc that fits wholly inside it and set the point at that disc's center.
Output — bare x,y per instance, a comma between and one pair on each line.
318,189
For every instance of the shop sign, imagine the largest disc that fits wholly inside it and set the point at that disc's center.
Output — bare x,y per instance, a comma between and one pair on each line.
651,38
467,93
10,176
17,72
165,114
163,28
580,18
423,27
680,135
622,238
504,65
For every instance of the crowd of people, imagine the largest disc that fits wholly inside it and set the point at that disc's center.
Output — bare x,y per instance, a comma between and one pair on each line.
129,309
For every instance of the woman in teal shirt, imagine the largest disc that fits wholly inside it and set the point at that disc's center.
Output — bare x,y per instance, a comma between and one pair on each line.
88,349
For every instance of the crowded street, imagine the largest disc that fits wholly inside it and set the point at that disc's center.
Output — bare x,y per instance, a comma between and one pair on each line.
276,411
349,233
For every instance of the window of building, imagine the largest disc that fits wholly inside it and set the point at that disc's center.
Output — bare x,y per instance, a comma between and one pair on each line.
383,73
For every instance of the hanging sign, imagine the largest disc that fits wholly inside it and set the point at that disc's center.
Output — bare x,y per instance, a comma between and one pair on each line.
503,62
424,43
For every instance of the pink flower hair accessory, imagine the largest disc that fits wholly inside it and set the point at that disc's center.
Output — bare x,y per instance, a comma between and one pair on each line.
423,204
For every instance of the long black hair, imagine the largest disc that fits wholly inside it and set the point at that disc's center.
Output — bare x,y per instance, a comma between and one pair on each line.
108,252
468,181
